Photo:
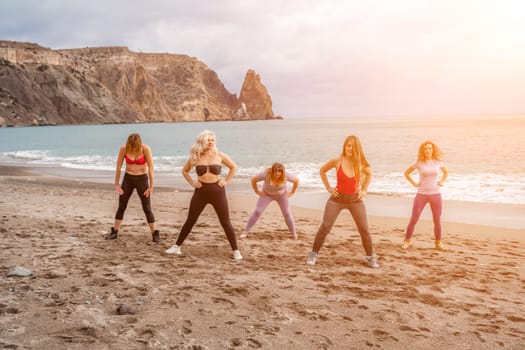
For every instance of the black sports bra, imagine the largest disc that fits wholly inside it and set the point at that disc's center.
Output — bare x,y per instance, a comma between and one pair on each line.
215,169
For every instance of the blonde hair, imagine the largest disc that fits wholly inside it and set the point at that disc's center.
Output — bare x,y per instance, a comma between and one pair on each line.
134,144
277,178
359,161
436,152
199,147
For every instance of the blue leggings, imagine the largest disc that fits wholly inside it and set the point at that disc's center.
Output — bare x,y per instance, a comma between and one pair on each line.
436,206
215,195
263,202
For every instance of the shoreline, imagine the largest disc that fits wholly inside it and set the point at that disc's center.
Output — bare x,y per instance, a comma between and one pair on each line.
511,216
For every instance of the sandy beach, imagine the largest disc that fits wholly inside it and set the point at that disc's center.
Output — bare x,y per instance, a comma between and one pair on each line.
86,292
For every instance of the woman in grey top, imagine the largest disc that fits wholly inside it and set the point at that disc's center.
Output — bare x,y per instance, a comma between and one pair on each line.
274,189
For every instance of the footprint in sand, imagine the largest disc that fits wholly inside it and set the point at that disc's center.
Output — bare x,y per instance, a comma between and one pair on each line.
251,343
320,341
515,318
206,312
4,309
186,327
388,315
223,300
405,328
147,333
78,335
383,335
267,329
254,343
237,291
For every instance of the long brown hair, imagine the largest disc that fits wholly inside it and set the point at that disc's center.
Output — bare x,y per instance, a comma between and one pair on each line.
358,158
277,174
436,152
134,144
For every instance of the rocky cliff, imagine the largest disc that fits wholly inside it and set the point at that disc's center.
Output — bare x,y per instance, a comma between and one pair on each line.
254,98
40,86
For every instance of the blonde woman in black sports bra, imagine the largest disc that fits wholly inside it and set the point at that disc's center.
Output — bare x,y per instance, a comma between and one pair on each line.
209,188
139,166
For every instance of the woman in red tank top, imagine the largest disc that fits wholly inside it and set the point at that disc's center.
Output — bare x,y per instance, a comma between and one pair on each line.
353,177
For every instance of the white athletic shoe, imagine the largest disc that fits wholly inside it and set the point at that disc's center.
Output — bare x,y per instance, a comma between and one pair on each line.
371,261
237,255
175,249
244,234
312,258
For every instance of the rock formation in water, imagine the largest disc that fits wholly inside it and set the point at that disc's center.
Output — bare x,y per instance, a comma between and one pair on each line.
40,86
255,101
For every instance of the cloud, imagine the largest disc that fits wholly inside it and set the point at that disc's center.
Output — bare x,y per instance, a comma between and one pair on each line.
317,58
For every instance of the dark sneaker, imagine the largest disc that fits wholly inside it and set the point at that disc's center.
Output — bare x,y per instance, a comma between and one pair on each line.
112,235
156,236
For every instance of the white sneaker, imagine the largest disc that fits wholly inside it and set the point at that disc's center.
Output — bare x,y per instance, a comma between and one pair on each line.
237,255
312,258
406,244
175,249
244,234
371,261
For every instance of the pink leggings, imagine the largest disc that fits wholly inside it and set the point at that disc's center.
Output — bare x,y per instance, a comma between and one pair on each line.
436,206
263,201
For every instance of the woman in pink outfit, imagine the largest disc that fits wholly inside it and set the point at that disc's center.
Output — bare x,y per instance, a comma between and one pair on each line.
430,168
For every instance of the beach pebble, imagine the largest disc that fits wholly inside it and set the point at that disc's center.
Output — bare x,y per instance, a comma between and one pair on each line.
125,310
19,271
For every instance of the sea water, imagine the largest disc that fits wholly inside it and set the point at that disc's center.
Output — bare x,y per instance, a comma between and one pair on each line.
484,155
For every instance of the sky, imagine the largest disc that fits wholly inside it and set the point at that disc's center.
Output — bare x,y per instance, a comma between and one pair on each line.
326,58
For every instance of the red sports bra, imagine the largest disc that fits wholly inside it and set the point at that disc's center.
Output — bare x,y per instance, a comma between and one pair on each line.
138,161
345,184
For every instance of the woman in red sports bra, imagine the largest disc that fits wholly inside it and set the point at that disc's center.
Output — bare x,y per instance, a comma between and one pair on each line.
139,166
353,177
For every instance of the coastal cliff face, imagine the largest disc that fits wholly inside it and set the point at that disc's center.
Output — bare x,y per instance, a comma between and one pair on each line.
40,86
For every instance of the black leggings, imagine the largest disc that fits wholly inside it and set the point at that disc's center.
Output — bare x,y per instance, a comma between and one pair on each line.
215,195
129,183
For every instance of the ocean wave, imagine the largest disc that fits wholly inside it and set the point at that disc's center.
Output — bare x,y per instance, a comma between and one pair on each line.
481,187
